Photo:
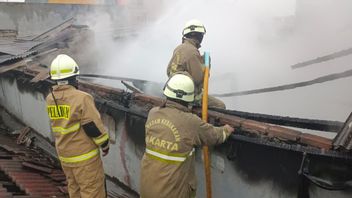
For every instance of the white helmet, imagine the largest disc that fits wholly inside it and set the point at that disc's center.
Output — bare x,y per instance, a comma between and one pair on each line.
180,87
193,25
63,67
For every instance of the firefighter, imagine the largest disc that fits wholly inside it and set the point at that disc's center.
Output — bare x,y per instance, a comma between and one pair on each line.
78,131
172,133
186,57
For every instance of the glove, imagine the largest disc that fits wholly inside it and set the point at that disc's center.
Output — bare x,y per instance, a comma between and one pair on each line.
229,128
209,61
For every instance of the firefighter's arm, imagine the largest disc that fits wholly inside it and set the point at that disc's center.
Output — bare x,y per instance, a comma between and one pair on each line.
207,134
195,69
171,68
93,125
173,65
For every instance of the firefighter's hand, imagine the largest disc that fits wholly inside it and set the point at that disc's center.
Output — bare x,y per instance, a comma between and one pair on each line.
229,128
105,151
209,61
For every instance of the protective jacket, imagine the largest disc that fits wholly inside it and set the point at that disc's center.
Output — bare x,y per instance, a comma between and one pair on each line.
186,57
78,132
73,111
168,165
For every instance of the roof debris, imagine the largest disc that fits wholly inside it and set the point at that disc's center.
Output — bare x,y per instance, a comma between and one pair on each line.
18,164
343,140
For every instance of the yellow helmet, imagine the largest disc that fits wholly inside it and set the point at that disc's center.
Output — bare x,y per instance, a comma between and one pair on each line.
63,66
193,25
180,87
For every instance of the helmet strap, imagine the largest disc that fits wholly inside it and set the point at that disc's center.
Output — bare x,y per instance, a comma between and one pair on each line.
57,107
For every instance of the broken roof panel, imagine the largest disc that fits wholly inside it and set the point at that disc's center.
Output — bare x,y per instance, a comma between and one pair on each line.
17,57
343,140
22,48
17,47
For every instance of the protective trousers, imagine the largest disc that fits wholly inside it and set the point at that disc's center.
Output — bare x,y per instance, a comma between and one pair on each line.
87,181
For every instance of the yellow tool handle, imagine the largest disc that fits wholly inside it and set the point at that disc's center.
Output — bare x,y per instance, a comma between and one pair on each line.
205,119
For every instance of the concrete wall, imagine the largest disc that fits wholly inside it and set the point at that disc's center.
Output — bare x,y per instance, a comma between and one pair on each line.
27,107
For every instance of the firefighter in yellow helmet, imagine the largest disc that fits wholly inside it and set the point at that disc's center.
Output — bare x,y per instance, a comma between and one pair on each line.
186,57
78,130
172,133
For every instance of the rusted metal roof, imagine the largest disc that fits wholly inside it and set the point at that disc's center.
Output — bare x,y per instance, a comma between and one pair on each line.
343,140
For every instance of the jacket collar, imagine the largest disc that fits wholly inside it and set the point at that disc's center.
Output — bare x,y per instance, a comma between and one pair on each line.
175,105
193,42
63,87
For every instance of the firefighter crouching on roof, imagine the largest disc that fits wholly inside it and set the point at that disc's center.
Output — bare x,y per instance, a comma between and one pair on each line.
172,132
186,58
78,131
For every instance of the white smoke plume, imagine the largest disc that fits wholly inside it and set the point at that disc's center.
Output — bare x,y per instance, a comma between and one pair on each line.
252,44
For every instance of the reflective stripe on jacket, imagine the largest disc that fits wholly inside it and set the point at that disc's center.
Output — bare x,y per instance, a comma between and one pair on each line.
64,131
168,157
80,158
74,109
172,132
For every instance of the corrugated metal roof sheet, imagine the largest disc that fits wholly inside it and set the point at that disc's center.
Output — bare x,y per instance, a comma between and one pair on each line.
17,57
13,49
17,47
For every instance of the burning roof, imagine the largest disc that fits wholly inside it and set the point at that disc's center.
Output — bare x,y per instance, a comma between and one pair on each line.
24,57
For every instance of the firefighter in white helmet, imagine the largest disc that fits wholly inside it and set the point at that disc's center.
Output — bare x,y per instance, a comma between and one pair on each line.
172,133
78,130
186,57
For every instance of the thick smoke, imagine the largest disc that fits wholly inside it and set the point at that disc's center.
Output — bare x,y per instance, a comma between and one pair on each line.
252,44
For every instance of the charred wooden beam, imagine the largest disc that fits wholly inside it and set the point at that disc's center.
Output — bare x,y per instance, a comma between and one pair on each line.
292,147
320,125
140,104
